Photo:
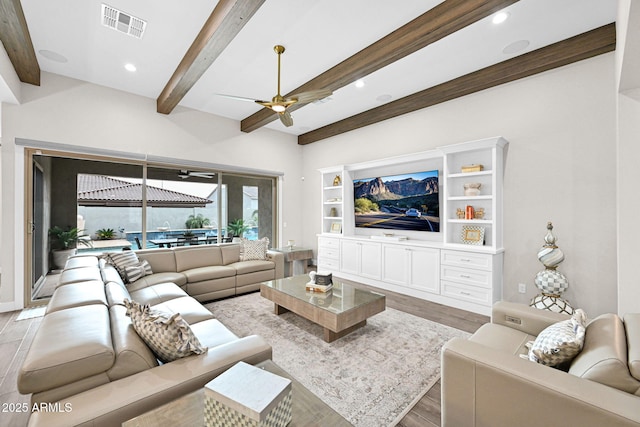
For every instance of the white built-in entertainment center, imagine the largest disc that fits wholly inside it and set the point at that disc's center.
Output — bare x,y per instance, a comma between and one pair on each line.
459,266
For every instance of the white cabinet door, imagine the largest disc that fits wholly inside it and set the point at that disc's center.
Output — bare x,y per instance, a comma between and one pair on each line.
350,252
425,269
370,265
394,269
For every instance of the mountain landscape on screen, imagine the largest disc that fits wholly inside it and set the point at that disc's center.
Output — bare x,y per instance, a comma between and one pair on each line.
398,202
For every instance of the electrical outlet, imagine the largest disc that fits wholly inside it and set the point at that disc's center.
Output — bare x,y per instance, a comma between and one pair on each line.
522,288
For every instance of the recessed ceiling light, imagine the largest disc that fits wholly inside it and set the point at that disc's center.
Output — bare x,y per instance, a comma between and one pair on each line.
500,17
130,67
516,47
359,83
53,56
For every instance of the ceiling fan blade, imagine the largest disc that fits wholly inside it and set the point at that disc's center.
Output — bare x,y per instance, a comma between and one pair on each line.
286,118
310,96
237,98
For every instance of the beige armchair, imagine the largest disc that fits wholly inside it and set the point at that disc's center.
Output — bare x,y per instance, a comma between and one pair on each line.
486,384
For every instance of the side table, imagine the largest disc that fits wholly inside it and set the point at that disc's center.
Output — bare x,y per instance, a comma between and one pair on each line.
296,259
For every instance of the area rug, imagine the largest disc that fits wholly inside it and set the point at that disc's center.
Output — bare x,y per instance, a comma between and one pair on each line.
371,377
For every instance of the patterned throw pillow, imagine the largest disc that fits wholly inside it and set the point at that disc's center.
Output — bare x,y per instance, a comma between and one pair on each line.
560,342
254,249
122,260
135,272
168,336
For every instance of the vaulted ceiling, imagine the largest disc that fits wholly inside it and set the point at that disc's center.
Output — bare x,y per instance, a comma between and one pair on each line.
409,55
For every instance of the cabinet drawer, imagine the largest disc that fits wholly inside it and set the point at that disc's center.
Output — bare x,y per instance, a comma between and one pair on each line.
467,293
328,264
466,259
329,253
328,242
468,276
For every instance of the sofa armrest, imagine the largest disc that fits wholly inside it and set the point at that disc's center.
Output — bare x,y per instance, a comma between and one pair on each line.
485,387
113,403
278,258
524,318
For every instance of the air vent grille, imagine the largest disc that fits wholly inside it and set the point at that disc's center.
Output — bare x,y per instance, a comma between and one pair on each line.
123,22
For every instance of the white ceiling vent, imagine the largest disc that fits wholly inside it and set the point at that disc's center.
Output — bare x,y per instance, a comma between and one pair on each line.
123,22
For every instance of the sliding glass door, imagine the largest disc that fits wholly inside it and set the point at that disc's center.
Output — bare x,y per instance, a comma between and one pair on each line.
114,204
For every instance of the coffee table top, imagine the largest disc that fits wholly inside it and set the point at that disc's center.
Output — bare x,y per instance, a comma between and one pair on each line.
341,298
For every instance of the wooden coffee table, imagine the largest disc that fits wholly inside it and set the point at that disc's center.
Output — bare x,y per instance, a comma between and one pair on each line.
188,410
340,311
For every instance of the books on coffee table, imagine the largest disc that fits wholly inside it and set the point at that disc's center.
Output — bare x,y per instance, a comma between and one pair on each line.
314,287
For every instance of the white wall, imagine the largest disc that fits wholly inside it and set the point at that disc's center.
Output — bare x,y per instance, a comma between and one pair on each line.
628,69
560,167
69,111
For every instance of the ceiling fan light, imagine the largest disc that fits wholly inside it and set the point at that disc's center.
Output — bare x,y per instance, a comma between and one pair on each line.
278,108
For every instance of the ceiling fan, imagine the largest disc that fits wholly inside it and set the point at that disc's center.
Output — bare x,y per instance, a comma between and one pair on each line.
279,104
184,174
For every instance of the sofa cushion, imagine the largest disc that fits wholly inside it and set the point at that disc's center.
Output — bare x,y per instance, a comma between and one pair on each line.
157,294
69,345
77,294
167,334
132,353
604,356
110,274
161,260
230,253
135,272
153,279
81,261
632,329
190,309
254,249
188,258
212,333
208,273
245,267
561,342
80,274
116,293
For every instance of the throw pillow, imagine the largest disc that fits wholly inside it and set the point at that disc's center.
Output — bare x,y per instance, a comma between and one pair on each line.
167,335
135,272
560,342
254,249
122,260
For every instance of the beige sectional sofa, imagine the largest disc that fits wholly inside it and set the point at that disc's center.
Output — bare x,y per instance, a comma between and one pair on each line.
486,383
87,356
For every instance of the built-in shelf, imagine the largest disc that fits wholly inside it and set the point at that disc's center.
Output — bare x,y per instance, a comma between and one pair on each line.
470,198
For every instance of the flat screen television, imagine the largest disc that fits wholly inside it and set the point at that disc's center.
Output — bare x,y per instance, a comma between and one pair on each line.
398,202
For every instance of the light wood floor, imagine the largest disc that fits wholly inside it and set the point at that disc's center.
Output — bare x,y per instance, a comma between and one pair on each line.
16,337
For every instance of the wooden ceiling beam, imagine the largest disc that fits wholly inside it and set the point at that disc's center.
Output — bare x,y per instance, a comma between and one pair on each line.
14,34
433,25
224,23
583,46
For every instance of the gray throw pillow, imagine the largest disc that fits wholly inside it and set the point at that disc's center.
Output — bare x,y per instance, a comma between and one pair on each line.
167,335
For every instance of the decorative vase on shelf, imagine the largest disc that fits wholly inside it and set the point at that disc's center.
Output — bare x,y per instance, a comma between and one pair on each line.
550,281
472,189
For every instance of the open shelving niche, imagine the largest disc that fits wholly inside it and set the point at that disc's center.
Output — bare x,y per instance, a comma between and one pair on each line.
433,266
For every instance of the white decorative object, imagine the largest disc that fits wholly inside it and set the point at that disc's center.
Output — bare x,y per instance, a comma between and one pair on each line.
472,188
550,281
247,396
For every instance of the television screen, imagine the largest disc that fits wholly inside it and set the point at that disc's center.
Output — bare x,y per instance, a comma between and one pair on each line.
398,202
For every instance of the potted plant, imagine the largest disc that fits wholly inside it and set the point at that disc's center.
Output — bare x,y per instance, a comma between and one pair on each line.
237,228
64,243
197,221
105,234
